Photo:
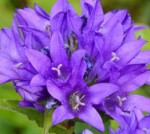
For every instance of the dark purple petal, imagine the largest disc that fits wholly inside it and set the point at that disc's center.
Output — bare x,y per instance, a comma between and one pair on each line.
58,15
138,113
24,103
111,19
39,107
99,43
29,41
14,50
25,85
41,12
92,117
38,80
142,58
95,18
7,66
39,61
57,50
77,74
59,22
28,95
130,35
137,101
125,54
138,27
60,115
77,56
87,7
144,123
133,81
114,38
100,91
55,91
39,36
61,6
15,31
75,22
33,20
4,79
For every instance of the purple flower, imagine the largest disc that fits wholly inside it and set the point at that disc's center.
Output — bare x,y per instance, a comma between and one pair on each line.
79,65
35,18
122,99
106,38
133,122
15,65
58,66
77,99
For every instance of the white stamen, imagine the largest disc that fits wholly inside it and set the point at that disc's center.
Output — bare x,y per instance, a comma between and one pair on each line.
121,100
146,130
114,57
18,65
78,101
57,69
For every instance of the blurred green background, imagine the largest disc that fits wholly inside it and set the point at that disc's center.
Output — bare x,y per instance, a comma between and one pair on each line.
13,123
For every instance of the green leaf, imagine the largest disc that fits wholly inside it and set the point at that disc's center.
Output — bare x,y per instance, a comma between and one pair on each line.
58,130
114,124
107,124
32,114
145,34
47,121
80,126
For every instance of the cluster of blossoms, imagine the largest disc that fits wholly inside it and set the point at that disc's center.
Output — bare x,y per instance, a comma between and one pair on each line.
79,65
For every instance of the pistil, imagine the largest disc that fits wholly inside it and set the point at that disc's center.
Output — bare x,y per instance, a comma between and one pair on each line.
18,65
57,69
114,57
120,100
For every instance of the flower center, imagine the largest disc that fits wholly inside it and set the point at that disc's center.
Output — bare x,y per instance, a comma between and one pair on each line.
120,100
57,69
114,57
75,100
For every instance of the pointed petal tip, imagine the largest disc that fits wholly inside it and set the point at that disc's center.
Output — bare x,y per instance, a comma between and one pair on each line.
92,117
61,114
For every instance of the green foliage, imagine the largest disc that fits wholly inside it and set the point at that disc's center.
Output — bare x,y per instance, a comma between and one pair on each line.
145,34
17,3
80,126
47,121
43,120
58,130
32,114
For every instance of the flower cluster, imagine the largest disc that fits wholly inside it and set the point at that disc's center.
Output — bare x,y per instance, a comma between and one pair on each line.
79,65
